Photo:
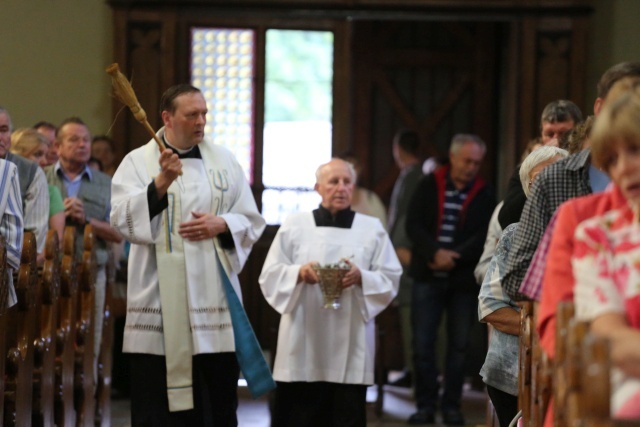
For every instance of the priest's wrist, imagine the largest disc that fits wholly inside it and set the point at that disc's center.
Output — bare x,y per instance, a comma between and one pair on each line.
162,185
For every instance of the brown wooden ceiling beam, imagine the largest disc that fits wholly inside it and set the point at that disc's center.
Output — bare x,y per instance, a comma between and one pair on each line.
421,58
373,9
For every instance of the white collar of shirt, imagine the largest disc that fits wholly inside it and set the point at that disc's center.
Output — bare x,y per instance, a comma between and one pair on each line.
87,171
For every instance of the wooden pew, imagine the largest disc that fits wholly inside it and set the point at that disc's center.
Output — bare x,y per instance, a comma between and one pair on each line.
595,397
491,417
524,362
534,370
541,377
20,333
581,386
573,370
4,300
578,378
560,388
65,414
105,359
85,374
45,342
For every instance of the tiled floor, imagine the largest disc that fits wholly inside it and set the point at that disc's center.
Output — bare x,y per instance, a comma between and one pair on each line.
398,405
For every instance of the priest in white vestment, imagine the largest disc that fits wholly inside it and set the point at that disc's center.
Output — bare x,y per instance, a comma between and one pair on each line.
325,356
192,220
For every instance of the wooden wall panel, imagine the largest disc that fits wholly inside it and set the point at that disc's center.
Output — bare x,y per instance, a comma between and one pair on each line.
145,50
437,78
552,66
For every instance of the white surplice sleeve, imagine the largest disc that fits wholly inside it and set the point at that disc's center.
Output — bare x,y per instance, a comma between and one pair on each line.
243,219
279,277
381,278
129,204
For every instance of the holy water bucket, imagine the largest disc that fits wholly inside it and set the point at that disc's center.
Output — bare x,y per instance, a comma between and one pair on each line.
331,284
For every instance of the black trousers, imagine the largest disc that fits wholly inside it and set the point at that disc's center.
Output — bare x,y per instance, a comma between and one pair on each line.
505,404
319,404
215,386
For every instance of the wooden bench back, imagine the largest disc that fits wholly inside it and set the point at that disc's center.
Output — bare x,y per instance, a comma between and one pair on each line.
20,334
85,374
45,342
524,362
65,414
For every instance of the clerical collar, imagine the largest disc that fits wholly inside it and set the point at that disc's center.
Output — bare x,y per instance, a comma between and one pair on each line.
191,153
343,219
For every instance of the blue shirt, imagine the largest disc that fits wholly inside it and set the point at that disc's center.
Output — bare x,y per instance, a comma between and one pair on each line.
598,179
72,185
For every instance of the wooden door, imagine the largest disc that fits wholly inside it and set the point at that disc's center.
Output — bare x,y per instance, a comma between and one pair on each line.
437,78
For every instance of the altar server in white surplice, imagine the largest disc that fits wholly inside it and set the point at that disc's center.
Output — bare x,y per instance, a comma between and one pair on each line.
192,221
325,356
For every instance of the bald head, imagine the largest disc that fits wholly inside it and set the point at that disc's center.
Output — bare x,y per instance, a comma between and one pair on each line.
334,182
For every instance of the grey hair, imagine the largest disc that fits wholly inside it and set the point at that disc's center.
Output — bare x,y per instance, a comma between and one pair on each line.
537,156
4,110
460,139
354,175
561,110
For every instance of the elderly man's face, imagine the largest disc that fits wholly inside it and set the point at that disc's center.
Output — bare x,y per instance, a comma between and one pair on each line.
5,134
185,127
74,143
551,132
335,186
465,163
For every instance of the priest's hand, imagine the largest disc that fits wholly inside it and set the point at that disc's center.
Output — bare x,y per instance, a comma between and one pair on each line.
204,226
353,277
170,169
307,274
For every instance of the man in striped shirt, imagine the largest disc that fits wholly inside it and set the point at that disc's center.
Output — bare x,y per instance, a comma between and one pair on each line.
33,186
447,222
11,227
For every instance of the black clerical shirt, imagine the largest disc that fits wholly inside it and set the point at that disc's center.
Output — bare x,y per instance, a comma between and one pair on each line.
343,218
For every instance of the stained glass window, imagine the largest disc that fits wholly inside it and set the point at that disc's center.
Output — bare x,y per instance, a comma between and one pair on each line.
222,67
298,105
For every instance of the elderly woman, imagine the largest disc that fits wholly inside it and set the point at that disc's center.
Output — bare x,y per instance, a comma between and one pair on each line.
32,145
500,370
607,249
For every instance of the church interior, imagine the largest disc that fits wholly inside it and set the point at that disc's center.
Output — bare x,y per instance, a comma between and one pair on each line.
440,67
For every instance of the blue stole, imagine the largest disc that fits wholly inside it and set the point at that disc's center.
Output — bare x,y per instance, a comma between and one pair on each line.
248,351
